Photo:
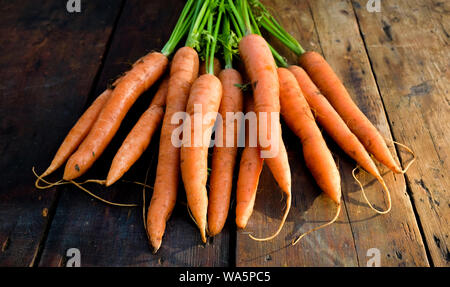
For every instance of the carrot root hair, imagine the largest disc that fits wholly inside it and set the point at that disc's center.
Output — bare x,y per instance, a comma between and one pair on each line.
283,220
408,165
101,199
385,188
338,211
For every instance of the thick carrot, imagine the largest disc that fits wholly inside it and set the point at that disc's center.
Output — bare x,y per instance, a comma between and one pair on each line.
144,73
139,137
297,114
183,72
332,88
78,132
224,157
217,67
206,93
261,69
250,169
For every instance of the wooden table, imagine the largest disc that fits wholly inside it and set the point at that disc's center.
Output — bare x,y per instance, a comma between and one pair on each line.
394,63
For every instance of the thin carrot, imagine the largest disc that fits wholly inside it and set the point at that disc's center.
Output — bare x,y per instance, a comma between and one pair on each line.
204,100
78,132
143,74
329,84
250,168
206,92
333,124
297,114
139,137
183,72
261,69
224,157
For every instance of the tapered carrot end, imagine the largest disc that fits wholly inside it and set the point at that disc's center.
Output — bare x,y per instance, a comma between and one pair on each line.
241,222
111,179
71,171
156,244
203,234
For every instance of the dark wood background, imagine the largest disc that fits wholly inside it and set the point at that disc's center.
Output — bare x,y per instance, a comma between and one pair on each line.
394,63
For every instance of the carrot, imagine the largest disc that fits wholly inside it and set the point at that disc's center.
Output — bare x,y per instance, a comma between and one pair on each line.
202,108
78,132
207,92
217,67
261,69
183,72
250,168
329,84
224,157
139,137
333,124
297,114
144,73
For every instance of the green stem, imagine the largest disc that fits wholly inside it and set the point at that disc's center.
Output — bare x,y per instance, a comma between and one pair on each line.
281,62
227,53
210,61
237,18
245,13
268,22
180,29
196,28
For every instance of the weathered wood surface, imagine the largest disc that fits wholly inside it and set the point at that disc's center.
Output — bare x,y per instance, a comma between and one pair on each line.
393,63
330,27
408,44
114,236
48,61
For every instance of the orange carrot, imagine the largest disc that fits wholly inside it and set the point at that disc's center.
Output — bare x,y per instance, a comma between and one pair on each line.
144,73
224,157
297,114
250,169
206,92
78,132
333,124
261,69
183,72
139,137
217,67
332,88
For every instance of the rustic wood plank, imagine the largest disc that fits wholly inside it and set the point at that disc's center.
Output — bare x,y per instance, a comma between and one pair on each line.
408,44
331,28
333,246
396,234
112,236
47,67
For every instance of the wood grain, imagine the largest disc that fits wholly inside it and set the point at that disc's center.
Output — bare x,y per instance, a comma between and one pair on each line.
112,236
408,45
332,246
48,63
396,234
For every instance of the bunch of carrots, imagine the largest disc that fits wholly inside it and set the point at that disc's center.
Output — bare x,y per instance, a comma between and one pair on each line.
190,75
